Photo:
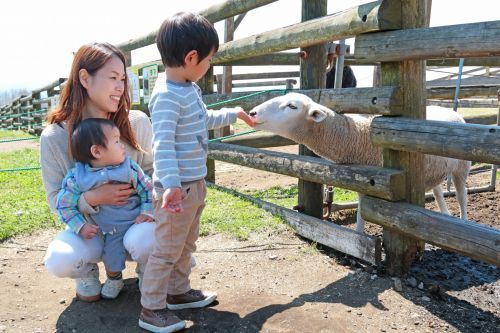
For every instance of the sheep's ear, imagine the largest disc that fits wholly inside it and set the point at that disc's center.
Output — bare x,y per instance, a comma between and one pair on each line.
316,114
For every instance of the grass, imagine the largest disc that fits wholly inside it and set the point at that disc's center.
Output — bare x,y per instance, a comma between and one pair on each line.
6,134
230,215
287,197
23,208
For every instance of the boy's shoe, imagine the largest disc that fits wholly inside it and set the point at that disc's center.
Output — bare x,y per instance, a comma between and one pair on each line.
111,288
190,300
88,288
160,321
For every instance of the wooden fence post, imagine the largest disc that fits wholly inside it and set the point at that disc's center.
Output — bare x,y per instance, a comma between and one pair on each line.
227,71
410,76
312,76
207,86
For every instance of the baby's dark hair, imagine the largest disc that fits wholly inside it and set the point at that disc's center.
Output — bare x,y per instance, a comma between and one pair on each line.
87,133
182,33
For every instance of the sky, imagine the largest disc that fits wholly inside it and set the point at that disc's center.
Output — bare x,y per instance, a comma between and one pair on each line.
38,38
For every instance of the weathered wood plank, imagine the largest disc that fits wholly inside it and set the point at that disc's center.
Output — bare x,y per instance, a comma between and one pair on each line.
410,77
469,142
451,233
454,41
377,181
362,246
49,86
215,13
270,83
480,61
484,90
260,140
380,100
349,23
312,76
272,59
266,75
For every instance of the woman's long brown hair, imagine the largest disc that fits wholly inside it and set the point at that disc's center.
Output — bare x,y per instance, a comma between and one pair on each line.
92,57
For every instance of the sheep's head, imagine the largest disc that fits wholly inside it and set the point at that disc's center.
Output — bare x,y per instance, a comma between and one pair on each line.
283,114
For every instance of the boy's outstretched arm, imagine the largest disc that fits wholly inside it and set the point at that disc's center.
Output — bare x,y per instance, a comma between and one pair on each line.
245,117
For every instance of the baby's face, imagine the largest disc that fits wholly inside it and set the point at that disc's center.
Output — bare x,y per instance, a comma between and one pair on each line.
114,153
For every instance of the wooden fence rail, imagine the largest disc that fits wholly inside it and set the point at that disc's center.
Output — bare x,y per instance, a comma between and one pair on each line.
214,14
453,41
451,233
468,142
379,182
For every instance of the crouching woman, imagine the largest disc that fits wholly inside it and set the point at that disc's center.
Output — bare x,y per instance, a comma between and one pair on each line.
97,87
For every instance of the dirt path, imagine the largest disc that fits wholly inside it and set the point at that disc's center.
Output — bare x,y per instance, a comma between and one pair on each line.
274,283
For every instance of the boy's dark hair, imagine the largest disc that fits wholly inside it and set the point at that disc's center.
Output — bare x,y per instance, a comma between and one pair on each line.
182,33
87,133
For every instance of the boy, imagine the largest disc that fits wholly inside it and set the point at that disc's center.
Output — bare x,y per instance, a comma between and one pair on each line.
187,43
100,159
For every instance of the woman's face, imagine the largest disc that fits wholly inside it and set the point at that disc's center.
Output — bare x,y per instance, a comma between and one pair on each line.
105,88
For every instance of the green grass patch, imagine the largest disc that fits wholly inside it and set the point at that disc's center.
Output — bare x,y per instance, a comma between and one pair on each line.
287,197
234,216
23,208
19,158
7,134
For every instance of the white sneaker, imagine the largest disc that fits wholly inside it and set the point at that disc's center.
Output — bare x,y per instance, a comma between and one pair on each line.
88,288
111,288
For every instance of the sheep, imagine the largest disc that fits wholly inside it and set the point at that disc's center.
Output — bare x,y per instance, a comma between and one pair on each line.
345,139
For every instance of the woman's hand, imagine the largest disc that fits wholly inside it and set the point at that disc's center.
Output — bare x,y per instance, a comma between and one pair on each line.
88,231
143,218
109,194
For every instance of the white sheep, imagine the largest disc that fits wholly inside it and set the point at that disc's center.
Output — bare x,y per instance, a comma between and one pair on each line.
345,138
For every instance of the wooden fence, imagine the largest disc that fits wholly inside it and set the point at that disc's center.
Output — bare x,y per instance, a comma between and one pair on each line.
394,34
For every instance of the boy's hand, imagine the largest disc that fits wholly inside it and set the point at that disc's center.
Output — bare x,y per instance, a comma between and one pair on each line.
245,117
172,200
143,218
89,231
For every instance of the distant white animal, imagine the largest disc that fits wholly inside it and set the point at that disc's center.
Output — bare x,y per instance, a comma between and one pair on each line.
345,138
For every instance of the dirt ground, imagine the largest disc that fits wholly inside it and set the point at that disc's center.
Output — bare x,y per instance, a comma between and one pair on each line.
273,283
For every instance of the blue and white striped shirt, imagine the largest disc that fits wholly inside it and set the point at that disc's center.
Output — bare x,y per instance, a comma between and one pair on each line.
180,132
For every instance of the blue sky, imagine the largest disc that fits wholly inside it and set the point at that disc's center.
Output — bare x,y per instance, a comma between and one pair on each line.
38,37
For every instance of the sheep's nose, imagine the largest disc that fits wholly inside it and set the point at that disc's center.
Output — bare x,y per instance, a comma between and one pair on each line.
252,113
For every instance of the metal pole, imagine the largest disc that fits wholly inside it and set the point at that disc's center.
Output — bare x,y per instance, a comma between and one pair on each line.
339,65
459,81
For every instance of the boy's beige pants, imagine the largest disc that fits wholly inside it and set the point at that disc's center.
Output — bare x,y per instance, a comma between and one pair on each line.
169,264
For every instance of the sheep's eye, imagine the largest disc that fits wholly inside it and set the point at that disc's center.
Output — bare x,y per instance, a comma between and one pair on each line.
291,106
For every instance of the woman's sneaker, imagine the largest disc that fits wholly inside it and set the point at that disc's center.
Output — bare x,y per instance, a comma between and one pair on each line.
190,300
160,321
88,288
111,288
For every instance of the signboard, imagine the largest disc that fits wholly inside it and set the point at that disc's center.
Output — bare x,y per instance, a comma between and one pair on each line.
135,91
149,75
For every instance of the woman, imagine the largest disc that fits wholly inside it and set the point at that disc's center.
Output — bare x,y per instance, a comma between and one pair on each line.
97,87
